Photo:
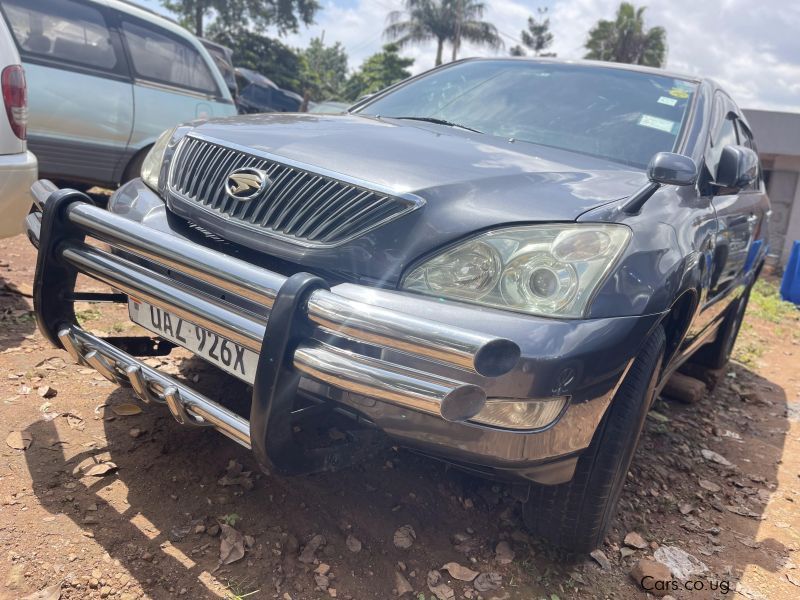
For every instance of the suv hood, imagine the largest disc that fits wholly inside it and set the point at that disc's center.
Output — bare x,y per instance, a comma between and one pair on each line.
469,182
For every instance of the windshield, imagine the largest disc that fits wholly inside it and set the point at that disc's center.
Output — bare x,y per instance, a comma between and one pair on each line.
617,114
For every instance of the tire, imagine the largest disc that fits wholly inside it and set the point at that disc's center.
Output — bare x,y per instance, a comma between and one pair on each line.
576,515
717,354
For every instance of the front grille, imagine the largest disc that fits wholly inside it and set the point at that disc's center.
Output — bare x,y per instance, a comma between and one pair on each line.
301,206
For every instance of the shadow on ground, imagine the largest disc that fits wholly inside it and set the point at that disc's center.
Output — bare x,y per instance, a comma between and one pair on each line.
150,514
16,318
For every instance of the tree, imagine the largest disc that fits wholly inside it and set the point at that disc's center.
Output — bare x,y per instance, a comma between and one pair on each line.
269,57
469,26
537,37
379,71
626,40
236,15
444,21
323,71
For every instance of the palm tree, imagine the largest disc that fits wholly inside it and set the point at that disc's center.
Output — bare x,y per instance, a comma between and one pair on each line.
444,21
469,26
626,40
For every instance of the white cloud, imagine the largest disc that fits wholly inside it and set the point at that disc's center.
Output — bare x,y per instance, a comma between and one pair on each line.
750,47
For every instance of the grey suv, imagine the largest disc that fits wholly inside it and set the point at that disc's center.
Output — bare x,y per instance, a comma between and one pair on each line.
498,263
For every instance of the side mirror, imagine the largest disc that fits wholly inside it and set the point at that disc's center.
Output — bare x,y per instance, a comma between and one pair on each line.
738,167
673,169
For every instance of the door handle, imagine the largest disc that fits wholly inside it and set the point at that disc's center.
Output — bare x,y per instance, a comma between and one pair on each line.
752,218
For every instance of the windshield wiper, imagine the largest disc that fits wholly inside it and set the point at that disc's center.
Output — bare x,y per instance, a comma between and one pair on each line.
438,122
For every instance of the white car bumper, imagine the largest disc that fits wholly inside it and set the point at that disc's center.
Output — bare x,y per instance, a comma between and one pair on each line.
17,174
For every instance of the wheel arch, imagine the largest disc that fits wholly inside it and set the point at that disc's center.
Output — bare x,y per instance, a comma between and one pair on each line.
677,321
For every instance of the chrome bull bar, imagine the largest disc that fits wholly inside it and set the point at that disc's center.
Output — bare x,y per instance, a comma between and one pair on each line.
290,308
186,405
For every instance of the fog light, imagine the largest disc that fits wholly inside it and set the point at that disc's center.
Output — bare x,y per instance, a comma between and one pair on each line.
520,414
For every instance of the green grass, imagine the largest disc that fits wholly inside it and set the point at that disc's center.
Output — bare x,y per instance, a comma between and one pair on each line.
748,352
230,519
90,314
766,304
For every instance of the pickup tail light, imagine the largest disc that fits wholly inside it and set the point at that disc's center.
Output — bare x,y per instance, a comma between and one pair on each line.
15,98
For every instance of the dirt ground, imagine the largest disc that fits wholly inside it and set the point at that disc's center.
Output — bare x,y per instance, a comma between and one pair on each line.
108,504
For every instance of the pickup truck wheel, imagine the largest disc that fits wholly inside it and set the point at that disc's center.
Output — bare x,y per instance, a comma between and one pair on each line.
717,354
577,514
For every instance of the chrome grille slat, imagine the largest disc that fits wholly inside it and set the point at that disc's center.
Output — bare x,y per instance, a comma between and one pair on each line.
308,209
302,195
354,219
224,166
328,220
324,211
217,158
202,162
187,169
300,205
295,183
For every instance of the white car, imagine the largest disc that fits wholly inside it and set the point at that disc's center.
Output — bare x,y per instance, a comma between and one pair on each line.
18,168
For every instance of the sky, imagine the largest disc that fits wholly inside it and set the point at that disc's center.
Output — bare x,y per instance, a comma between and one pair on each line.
751,47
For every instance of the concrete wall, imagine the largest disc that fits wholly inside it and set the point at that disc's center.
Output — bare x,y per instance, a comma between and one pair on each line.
778,138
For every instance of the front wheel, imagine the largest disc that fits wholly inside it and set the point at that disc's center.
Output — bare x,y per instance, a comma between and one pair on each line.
576,515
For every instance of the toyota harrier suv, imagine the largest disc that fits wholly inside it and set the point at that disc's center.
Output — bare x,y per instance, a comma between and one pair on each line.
497,263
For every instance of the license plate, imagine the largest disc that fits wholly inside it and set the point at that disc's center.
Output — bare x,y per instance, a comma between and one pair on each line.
222,352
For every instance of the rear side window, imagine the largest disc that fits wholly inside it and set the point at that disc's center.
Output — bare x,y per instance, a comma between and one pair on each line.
62,30
163,58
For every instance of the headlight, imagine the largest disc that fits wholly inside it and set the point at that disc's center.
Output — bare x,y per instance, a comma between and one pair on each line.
549,270
151,167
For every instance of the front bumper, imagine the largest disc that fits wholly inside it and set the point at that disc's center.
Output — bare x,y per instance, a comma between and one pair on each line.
411,368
